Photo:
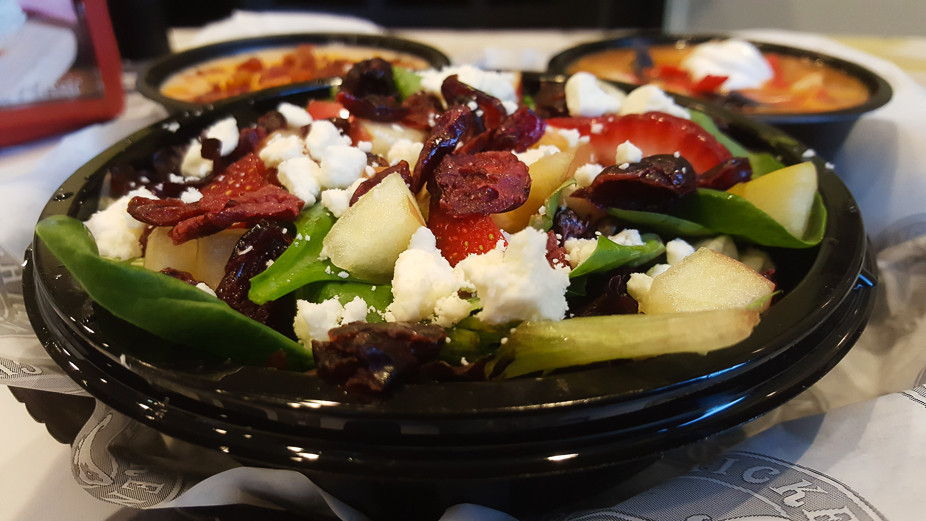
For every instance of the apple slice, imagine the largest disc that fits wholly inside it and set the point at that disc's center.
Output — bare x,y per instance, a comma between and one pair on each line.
203,258
705,280
786,195
368,238
543,346
384,135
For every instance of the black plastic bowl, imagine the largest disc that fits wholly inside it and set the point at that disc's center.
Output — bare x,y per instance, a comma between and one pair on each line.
824,132
153,77
533,444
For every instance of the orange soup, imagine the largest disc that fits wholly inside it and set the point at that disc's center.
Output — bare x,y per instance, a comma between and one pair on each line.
798,85
240,74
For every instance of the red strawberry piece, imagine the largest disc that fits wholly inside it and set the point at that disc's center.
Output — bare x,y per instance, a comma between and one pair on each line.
324,109
245,175
459,236
653,133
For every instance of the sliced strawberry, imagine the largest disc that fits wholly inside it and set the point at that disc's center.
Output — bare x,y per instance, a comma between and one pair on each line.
653,133
324,109
708,84
245,175
459,236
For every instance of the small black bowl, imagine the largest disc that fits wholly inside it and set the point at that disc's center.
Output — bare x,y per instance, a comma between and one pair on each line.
824,132
152,78
526,446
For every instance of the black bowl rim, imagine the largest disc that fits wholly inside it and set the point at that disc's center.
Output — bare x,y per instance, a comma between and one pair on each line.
845,244
880,91
150,79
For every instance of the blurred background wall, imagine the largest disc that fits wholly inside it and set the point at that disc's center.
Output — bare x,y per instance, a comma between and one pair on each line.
861,17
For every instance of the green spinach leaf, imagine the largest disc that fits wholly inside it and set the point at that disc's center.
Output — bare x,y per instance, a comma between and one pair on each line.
163,305
299,264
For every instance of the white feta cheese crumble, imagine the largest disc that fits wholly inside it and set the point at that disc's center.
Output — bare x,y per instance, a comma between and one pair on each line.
341,165
657,269
586,95
627,152
531,155
226,131
296,116
721,244
650,98
191,195
571,135
404,149
337,200
299,175
638,285
587,173
323,134
115,232
279,148
579,250
313,321
425,286
517,282
501,85
676,250
193,163
740,61
205,287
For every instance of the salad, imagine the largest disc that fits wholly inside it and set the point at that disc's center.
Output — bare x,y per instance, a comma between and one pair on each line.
442,224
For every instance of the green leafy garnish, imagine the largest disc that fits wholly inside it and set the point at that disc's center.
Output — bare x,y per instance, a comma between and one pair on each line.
761,162
165,306
407,81
609,255
377,296
715,212
551,206
299,264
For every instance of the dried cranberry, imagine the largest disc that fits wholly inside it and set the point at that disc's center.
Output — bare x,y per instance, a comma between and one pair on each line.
370,77
272,121
372,358
654,184
726,174
518,131
373,106
556,254
456,92
423,110
401,168
263,243
483,183
614,301
443,139
550,100
567,224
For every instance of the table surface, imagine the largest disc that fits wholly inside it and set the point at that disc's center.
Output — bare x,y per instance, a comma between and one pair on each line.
36,465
